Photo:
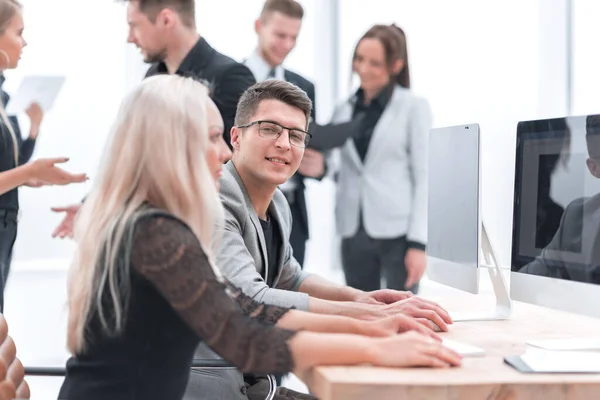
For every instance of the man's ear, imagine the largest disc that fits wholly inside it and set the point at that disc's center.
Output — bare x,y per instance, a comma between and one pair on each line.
166,18
594,167
236,136
257,25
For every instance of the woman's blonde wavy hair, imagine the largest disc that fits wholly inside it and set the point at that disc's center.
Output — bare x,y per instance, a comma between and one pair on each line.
156,154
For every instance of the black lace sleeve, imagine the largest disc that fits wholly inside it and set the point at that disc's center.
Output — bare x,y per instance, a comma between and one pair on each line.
252,308
167,253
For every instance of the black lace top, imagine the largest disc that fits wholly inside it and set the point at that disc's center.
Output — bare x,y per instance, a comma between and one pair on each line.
175,301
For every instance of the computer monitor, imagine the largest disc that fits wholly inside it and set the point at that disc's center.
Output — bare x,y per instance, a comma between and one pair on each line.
555,259
455,232
454,216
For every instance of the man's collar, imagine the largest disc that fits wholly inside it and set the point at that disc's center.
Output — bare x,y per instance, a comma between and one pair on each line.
260,68
195,60
233,170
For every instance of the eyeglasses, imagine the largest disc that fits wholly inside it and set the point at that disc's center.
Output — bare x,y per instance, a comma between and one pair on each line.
272,130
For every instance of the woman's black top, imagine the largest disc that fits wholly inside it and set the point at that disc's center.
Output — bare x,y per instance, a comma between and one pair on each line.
175,302
10,199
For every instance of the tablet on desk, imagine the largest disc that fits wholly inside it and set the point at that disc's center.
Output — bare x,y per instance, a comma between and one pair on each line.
550,361
35,89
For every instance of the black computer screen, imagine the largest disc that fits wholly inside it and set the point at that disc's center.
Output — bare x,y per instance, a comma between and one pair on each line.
556,214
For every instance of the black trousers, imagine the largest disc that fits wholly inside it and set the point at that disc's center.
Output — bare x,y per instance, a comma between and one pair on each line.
366,260
8,235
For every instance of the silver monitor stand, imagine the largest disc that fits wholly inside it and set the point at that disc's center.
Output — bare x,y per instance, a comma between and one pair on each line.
503,308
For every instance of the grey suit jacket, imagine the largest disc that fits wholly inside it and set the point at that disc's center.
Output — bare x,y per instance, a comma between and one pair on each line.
242,258
243,252
390,187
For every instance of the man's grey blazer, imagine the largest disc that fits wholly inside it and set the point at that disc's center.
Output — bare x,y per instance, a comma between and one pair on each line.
390,186
242,258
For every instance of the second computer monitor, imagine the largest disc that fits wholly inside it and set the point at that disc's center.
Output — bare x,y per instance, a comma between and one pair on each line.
454,215
556,217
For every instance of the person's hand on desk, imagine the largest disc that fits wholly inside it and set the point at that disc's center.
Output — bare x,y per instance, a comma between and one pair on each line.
65,228
392,302
412,349
395,324
313,164
383,296
424,311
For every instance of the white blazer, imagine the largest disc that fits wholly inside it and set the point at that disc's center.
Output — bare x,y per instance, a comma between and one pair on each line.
391,185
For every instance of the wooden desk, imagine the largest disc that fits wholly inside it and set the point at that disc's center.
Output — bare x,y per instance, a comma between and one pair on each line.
485,377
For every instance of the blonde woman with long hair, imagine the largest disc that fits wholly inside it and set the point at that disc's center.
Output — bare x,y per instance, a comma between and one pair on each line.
12,175
143,287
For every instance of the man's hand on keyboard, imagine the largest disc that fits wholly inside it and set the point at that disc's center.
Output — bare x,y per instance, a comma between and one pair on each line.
423,310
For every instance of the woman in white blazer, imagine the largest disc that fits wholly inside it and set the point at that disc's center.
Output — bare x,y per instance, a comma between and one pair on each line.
381,174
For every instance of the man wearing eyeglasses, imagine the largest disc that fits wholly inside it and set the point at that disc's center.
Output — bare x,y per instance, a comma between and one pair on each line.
269,139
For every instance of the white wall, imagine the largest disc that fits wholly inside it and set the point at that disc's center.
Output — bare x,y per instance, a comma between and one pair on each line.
586,59
93,59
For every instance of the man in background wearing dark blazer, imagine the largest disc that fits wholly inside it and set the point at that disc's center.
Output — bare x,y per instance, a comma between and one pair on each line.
165,33
277,28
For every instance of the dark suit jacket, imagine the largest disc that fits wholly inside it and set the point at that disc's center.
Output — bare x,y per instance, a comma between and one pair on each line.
227,78
309,88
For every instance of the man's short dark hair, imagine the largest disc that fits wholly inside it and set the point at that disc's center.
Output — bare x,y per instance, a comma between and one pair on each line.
271,89
289,8
185,8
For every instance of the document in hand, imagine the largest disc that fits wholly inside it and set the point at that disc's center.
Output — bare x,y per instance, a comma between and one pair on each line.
330,136
551,361
35,89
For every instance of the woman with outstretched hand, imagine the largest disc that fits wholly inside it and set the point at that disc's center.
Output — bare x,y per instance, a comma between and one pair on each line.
12,175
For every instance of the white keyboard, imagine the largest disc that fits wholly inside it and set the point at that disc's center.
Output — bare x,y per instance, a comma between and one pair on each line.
463,349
